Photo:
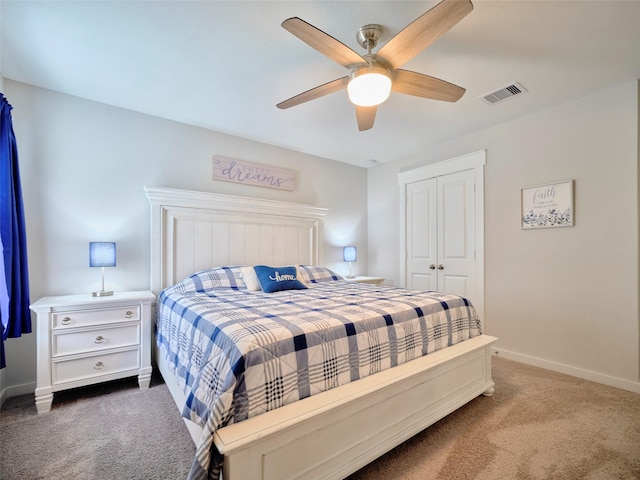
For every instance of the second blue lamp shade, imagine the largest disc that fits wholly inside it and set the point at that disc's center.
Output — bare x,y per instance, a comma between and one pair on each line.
349,254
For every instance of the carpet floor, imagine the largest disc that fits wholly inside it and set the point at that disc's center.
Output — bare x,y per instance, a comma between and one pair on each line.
538,425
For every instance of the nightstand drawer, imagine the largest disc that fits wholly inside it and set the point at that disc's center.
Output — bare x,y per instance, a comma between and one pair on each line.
95,366
67,343
80,318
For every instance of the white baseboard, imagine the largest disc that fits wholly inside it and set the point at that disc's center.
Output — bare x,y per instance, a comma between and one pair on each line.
15,390
569,370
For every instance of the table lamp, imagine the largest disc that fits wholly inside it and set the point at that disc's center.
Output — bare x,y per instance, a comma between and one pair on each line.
102,254
349,254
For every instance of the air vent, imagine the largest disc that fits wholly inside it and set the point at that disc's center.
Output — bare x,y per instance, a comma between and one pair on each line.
503,93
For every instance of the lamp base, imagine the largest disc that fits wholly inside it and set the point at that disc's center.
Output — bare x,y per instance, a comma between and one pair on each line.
102,293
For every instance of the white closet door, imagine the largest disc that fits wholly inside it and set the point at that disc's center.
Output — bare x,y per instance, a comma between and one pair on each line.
456,233
421,235
440,234
442,225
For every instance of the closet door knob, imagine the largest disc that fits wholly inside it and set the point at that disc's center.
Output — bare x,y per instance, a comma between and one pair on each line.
432,266
440,267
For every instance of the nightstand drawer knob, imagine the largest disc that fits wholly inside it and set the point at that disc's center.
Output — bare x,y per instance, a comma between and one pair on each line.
128,314
66,321
99,339
98,366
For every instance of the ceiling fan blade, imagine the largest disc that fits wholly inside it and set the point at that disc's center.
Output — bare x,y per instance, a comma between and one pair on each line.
322,42
420,85
366,116
316,92
423,31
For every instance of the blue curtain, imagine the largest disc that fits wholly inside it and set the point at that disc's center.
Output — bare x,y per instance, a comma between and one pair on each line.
15,318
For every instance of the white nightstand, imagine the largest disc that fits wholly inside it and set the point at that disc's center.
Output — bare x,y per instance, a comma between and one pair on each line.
363,279
84,340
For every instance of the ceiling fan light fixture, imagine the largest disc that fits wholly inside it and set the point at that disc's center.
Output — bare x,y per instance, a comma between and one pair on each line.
373,75
369,86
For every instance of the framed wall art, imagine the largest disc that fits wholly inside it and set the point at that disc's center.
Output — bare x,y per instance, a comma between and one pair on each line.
547,206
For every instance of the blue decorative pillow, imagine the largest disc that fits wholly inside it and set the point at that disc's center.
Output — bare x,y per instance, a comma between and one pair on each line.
275,279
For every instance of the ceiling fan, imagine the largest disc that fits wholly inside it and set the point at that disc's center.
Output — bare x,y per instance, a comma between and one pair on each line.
380,73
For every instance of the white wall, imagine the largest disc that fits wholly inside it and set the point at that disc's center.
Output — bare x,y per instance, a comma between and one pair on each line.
566,298
83,167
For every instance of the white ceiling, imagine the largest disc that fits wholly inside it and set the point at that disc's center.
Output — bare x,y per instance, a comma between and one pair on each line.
224,65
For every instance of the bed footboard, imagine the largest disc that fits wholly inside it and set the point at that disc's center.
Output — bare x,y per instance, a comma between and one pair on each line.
333,434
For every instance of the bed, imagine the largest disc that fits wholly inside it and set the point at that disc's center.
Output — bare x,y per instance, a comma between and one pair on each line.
343,425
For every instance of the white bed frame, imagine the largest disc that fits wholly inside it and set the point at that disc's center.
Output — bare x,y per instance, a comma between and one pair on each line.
332,434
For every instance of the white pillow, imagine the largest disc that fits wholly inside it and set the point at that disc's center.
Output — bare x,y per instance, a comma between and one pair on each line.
250,279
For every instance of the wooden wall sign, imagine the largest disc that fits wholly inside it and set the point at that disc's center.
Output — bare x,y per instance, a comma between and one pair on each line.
249,173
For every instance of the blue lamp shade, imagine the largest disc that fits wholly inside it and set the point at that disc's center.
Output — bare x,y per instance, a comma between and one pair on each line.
102,254
349,254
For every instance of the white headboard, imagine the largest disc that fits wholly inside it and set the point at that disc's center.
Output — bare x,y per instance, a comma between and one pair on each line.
192,231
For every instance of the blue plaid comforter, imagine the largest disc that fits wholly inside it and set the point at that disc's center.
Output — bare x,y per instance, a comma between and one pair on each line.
239,353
